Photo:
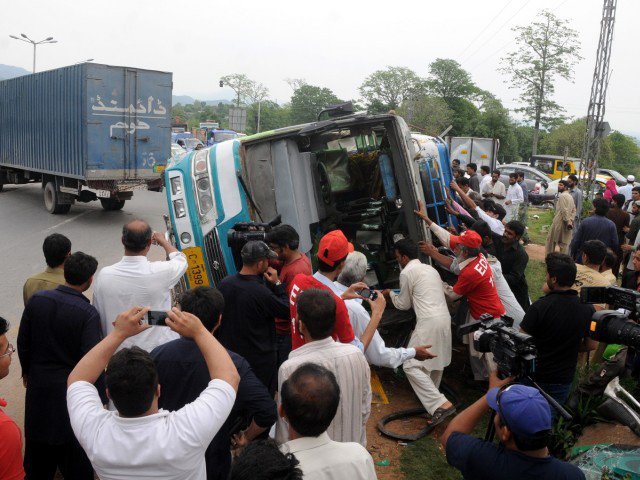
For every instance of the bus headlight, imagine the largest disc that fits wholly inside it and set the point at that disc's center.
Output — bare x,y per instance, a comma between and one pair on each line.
185,238
205,203
176,186
179,209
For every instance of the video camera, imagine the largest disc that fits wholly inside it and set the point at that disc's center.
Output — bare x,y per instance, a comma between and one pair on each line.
611,326
243,232
514,352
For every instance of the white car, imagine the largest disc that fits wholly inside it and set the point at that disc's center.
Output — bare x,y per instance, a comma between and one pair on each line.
600,182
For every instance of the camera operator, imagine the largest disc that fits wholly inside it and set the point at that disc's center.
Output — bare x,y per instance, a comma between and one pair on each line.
523,425
558,323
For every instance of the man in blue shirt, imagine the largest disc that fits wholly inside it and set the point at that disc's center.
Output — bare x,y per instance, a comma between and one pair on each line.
595,227
57,329
523,426
183,375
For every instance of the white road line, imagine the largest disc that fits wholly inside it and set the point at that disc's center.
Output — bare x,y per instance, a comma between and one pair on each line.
68,220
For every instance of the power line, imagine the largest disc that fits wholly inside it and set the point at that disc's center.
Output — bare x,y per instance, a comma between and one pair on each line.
484,29
508,43
498,30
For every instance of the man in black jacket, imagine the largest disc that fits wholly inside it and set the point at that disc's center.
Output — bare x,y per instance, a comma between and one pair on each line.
514,259
253,298
183,375
57,329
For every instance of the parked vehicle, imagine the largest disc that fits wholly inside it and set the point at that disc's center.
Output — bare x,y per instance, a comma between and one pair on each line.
555,166
481,151
363,174
220,135
86,132
600,182
192,143
535,180
177,149
616,175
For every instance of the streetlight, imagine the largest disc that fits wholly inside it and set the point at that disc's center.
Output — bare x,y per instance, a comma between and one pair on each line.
34,43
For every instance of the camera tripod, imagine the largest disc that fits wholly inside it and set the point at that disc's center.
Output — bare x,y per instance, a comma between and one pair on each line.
491,428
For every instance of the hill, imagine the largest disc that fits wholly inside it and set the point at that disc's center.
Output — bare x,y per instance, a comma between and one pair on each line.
187,100
9,71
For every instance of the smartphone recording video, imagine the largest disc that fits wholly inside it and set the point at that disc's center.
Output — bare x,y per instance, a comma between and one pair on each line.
157,318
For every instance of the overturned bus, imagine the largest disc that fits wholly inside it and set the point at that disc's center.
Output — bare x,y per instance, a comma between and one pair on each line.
362,174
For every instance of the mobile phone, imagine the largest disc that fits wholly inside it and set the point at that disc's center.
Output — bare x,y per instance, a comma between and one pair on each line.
157,318
368,293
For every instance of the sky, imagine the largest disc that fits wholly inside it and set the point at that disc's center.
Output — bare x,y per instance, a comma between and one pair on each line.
334,44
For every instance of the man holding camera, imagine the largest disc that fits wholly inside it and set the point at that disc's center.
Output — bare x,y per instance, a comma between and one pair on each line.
523,426
253,298
559,325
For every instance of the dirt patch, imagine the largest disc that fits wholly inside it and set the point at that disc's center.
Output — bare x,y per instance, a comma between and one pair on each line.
401,397
607,433
536,252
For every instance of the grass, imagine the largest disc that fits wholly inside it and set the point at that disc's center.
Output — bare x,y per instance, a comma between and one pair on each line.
425,459
536,227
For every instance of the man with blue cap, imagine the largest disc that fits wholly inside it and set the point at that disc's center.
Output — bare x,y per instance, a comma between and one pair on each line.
523,426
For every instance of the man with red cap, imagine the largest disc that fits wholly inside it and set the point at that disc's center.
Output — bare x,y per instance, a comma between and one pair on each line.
476,283
332,254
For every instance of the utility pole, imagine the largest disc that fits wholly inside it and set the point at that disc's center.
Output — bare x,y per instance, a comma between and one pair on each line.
597,129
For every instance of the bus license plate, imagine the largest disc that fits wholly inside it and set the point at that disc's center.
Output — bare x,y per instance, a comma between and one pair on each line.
196,271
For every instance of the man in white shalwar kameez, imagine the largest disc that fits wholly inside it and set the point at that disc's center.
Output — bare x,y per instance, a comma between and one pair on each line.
421,289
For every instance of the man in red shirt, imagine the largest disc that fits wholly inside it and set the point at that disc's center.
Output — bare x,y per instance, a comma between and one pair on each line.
332,254
476,283
10,436
284,240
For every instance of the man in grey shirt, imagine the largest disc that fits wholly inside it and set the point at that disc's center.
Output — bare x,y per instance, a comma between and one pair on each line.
474,178
576,194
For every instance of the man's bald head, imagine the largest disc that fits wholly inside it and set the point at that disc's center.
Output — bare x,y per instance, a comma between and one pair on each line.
136,236
310,398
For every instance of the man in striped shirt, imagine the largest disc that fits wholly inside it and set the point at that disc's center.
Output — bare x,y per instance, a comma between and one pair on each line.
315,317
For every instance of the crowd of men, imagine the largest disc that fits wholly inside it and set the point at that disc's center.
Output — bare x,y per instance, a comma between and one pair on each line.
274,362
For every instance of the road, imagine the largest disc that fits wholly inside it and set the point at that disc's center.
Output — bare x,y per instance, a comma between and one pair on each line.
24,223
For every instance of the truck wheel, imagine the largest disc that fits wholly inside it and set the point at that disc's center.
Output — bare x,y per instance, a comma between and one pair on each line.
52,200
110,204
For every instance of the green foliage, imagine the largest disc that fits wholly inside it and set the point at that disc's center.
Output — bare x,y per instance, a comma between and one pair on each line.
428,113
447,79
569,135
308,101
536,273
494,122
465,116
565,433
272,116
385,90
239,83
546,50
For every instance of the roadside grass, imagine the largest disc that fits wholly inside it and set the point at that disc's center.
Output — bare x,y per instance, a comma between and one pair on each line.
535,226
425,459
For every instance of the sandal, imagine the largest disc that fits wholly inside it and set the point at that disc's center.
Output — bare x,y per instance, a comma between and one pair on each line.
440,415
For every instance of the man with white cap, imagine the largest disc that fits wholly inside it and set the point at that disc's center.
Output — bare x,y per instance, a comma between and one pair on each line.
523,426
626,190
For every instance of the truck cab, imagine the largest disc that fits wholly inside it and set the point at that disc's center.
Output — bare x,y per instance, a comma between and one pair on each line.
362,174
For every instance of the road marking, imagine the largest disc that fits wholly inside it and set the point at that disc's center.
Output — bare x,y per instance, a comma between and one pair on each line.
68,220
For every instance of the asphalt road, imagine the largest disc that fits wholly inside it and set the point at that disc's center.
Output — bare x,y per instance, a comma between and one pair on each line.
24,223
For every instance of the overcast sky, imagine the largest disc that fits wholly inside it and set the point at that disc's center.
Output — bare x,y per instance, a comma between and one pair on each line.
329,43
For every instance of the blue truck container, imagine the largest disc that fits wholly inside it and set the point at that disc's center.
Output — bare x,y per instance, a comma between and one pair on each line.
87,132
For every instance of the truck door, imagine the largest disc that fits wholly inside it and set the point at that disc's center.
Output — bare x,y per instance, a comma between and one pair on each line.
129,122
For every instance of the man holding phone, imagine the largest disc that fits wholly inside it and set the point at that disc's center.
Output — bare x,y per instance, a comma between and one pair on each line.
135,280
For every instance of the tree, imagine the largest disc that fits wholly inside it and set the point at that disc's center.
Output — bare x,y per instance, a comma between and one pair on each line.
447,79
239,83
427,113
296,83
546,49
257,93
307,102
386,89
272,116
569,135
494,122
465,117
